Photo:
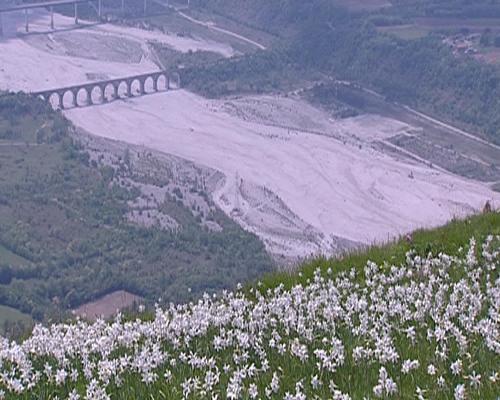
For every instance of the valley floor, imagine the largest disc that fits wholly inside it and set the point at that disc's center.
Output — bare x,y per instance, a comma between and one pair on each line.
293,176
303,182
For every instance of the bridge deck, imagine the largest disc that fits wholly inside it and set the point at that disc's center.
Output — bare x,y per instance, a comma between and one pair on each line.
99,83
41,5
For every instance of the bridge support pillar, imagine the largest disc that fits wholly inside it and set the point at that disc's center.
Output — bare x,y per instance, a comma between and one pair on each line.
52,17
103,94
129,88
89,96
76,13
27,22
142,88
75,97
115,91
60,98
167,83
155,83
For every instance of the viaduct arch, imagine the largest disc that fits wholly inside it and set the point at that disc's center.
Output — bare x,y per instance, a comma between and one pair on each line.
172,81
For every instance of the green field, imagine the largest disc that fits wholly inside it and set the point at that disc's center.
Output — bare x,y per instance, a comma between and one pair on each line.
406,32
10,258
10,317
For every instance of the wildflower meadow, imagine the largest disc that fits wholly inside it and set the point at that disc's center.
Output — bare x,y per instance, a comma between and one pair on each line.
427,328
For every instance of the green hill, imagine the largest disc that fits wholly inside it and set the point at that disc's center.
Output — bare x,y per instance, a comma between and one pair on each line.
404,321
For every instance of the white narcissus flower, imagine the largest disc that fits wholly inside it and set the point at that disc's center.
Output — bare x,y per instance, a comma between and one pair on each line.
459,392
315,382
234,345
385,386
475,380
409,365
253,391
420,394
456,367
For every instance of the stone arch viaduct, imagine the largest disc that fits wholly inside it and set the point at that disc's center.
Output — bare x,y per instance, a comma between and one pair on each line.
172,81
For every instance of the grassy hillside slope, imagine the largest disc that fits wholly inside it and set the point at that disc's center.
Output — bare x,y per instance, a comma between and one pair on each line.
388,322
447,239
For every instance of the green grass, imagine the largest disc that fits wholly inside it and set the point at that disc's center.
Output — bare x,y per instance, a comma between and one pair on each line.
447,239
406,32
10,258
9,316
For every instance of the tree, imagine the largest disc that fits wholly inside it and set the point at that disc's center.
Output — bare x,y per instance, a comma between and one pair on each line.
485,39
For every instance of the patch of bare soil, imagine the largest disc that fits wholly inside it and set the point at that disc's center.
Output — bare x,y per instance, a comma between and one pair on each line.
297,179
491,56
107,306
454,161
160,177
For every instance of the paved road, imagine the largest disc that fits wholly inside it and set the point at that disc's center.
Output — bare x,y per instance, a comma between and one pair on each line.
211,25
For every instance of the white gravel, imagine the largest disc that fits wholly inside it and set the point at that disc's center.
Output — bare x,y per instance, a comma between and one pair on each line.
339,189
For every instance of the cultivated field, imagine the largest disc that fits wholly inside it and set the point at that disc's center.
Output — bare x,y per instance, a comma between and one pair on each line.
108,305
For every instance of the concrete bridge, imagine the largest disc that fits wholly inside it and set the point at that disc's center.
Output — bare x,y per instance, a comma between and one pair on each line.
97,4
172,80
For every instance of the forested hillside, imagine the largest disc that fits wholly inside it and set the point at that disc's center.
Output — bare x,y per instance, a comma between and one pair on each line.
65,237
323,38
